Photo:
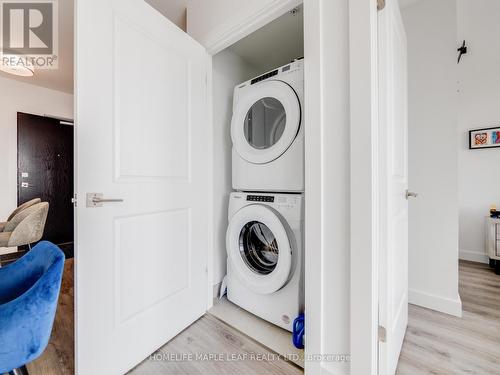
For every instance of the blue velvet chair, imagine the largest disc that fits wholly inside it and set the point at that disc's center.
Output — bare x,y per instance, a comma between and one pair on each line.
29,290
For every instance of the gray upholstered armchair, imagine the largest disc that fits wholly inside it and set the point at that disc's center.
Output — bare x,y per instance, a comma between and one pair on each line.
18,210
26,227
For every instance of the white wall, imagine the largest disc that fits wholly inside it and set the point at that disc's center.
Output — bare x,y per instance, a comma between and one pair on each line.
228,71
479,107
21,97
433,170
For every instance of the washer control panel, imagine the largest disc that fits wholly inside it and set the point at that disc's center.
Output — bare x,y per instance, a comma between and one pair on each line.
287,204
260,198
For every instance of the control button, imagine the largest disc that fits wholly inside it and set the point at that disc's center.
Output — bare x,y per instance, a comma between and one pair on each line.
260,198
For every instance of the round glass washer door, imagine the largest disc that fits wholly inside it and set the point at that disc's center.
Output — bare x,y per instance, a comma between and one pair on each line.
265,121
259,249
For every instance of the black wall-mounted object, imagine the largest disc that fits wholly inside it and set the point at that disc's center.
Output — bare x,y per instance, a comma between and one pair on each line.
461,51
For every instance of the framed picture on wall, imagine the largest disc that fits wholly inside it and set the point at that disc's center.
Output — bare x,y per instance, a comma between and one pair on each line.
484,138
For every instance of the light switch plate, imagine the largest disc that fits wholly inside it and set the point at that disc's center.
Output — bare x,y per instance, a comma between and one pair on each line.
24,174
24,184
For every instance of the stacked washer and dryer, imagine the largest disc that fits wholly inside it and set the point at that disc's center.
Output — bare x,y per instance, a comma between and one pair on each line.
264,239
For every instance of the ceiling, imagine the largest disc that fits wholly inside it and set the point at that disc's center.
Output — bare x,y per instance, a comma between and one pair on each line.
275,44
62,78
174,10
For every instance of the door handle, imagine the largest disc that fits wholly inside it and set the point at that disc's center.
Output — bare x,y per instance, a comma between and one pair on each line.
96,200
410,194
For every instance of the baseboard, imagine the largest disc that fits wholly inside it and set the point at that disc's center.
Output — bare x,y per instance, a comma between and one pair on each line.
473,256
433,302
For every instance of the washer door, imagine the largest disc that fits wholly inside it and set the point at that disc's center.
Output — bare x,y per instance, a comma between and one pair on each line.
259,249
265,121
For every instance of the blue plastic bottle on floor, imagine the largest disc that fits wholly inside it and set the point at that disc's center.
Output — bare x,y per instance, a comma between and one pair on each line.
298,332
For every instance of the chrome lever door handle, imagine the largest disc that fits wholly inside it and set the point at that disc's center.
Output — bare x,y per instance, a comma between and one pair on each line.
96,200
99,200
410,194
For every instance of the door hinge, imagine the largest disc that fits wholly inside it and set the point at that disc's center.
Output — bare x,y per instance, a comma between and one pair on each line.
74,200
382,334
380,4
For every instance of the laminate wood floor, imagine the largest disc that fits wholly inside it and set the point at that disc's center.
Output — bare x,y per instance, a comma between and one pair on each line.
272,337
441,344
435,343
59,357
209,336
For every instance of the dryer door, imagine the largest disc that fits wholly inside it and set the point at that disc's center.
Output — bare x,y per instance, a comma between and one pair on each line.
266,121
259,248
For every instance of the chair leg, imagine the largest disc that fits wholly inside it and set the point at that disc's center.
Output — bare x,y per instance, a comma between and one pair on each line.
19,371
29,246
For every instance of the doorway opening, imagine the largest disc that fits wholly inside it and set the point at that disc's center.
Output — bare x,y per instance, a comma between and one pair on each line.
452,214
37,165
45,170
241,229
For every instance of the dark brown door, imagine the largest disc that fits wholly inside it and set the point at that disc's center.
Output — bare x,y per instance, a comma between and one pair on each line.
45,170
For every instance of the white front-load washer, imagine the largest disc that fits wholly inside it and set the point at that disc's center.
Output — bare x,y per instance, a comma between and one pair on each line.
265,255
267,131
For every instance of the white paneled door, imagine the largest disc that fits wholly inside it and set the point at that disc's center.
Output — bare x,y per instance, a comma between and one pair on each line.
142,139
393,168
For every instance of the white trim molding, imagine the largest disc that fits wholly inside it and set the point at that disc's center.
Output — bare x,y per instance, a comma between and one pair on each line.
437,303
327,226
210,185
474,256
242,25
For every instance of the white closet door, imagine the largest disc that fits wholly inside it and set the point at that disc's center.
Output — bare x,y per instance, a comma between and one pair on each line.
393,303
141,110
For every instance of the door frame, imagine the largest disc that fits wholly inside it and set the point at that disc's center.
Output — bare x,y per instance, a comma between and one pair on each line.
327,209
217,42
364,186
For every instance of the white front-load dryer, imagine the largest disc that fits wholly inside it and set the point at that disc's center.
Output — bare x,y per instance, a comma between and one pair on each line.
267,131
265,255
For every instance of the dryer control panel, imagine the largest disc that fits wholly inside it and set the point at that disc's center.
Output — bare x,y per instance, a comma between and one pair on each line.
278,74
